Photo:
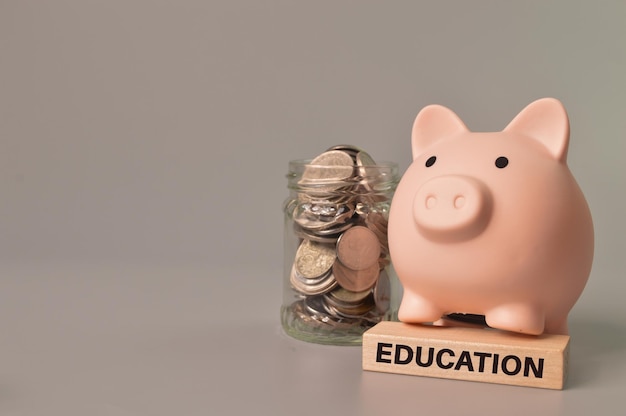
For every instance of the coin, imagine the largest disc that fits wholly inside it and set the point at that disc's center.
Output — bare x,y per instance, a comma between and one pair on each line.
382,292
355,280
313,310
308,281
347,296
377,223
358,248
310,287
351,150
307,235
314,259
350,310
316,216
315,305
332,230
316,319
377,220
370,179
331,166
363,159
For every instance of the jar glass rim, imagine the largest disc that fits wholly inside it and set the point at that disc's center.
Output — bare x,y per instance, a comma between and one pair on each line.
383,176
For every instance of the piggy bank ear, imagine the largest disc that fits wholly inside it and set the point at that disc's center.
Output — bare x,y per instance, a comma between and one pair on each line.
431,124
546,121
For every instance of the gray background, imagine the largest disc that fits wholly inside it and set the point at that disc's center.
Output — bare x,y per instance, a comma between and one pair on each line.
143,148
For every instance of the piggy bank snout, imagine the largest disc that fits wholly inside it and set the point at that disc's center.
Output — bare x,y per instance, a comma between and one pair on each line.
452,208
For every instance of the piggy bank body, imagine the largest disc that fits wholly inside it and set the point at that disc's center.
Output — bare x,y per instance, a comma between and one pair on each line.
491,223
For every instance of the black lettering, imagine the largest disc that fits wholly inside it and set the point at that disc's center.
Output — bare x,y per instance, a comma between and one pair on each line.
418,357
518,365
481,363
403,354
380,353
409,354
496,360
537,369
465,359
440,364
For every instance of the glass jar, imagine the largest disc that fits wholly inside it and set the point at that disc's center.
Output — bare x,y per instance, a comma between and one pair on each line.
338,280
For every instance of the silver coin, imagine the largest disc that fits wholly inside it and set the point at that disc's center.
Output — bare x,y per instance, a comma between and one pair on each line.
314,259
318,287
314,304
329,300
347,296
382,292
315,216
351,150
363,159
308,281
334,317
327,191
338,228
318,310
366,171
344,197
331,166
307,235
313,320
351,311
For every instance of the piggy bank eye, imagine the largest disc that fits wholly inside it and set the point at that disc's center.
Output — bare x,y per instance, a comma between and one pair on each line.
501,162
431,161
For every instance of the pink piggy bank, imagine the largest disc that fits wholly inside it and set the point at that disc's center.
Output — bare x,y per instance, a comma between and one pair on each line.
491,223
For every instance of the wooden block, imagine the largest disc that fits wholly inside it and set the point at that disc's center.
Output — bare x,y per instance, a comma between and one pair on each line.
475,354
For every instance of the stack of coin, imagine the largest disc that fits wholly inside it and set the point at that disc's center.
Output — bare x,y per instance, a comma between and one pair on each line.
340,218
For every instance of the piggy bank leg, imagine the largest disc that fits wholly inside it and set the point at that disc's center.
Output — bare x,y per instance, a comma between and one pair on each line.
415,309
524,318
